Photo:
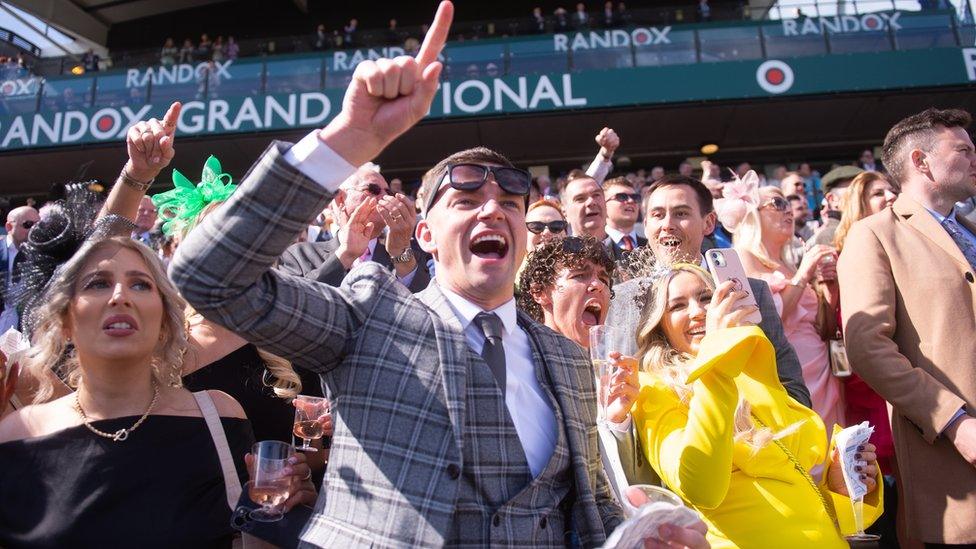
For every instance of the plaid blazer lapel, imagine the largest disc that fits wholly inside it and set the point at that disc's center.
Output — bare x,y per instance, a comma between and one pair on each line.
453,353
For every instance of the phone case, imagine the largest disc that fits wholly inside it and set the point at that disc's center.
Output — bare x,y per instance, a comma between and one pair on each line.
724,264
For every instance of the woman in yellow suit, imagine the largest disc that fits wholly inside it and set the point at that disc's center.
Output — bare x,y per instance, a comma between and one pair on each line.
722,432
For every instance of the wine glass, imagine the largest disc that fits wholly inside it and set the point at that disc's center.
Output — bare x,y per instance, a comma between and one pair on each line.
310,412
601,345
270,487
860,535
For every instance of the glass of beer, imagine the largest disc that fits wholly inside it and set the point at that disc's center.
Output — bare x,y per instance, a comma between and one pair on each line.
310,415
270,487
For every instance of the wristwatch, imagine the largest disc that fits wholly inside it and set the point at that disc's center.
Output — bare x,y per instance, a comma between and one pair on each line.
405,257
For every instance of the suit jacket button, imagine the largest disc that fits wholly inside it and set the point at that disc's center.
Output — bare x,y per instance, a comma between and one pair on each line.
453,471
497,520
969,278
543,522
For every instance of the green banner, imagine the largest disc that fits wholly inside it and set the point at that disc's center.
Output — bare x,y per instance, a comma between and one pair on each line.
523,94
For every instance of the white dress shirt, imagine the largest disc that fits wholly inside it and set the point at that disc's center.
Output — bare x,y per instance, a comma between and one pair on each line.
534,419
527,403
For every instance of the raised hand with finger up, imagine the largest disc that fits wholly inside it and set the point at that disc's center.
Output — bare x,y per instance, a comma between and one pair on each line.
388,96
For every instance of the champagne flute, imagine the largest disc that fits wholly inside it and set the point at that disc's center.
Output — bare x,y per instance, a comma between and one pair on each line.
270,487
601,345
309,414
860,535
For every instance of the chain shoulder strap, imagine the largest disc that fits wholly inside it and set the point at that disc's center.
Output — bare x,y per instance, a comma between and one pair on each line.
803,472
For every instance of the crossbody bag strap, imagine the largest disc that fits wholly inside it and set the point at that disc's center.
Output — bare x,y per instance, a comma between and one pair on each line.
231,481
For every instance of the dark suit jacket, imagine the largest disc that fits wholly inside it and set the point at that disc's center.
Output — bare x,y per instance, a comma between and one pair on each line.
616,252
4,290
318,261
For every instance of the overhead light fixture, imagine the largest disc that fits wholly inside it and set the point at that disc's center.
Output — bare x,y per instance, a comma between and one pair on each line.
77,70
709,149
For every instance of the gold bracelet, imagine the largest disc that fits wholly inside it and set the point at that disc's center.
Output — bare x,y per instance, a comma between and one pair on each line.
137,185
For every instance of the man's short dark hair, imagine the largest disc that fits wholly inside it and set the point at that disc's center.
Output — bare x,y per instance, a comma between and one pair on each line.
476,155
705,204
917,131
795,198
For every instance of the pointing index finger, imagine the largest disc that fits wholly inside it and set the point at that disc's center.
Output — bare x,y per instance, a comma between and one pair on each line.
437,35
171,117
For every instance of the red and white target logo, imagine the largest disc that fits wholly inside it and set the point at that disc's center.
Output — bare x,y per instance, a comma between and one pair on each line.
775,76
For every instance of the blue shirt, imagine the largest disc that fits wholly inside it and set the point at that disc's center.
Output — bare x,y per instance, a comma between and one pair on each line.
952,216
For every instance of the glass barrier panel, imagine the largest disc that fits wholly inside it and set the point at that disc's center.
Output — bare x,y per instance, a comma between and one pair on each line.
539,56
294,75
113,90
65,94
676,48
603,58
183,82
860,41
242,78
925,31
480,61
18,95
729,44
967,35
789,38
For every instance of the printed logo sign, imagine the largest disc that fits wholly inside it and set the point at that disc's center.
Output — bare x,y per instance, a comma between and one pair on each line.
174,74
842,24
774,76
641,36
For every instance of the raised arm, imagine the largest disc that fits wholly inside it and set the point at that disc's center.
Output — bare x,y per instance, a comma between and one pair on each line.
223,268
602,164
150,145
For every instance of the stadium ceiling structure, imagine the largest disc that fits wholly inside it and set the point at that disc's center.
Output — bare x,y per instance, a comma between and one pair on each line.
92,19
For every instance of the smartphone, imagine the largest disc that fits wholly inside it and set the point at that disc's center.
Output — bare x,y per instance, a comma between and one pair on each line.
724,264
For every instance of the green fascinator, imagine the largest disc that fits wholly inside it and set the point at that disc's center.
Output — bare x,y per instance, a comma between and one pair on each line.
181,206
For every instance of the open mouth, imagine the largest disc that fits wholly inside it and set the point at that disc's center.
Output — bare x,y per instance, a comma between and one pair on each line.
698,331
489,246
669,241
120,325
592,314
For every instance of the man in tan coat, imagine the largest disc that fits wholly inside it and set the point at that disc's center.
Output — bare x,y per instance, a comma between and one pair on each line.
908,297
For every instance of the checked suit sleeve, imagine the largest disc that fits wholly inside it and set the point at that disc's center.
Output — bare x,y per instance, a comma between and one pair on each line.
224,269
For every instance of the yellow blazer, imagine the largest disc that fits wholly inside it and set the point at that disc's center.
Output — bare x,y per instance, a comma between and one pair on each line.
748,498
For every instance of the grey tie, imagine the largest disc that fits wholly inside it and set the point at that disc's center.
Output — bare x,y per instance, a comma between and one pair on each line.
965,244
493,351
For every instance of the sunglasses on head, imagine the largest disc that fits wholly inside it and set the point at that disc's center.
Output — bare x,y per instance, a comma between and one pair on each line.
376,190
554,227
624,197
778,203
471,177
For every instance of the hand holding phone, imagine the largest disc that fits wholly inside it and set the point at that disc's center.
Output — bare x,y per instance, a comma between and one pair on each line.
725,266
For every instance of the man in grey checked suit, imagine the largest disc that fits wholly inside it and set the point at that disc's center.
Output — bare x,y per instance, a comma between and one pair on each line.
451,426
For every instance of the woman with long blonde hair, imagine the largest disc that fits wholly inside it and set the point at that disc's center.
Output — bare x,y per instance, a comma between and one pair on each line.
721,430
807,296
216,358
127,458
